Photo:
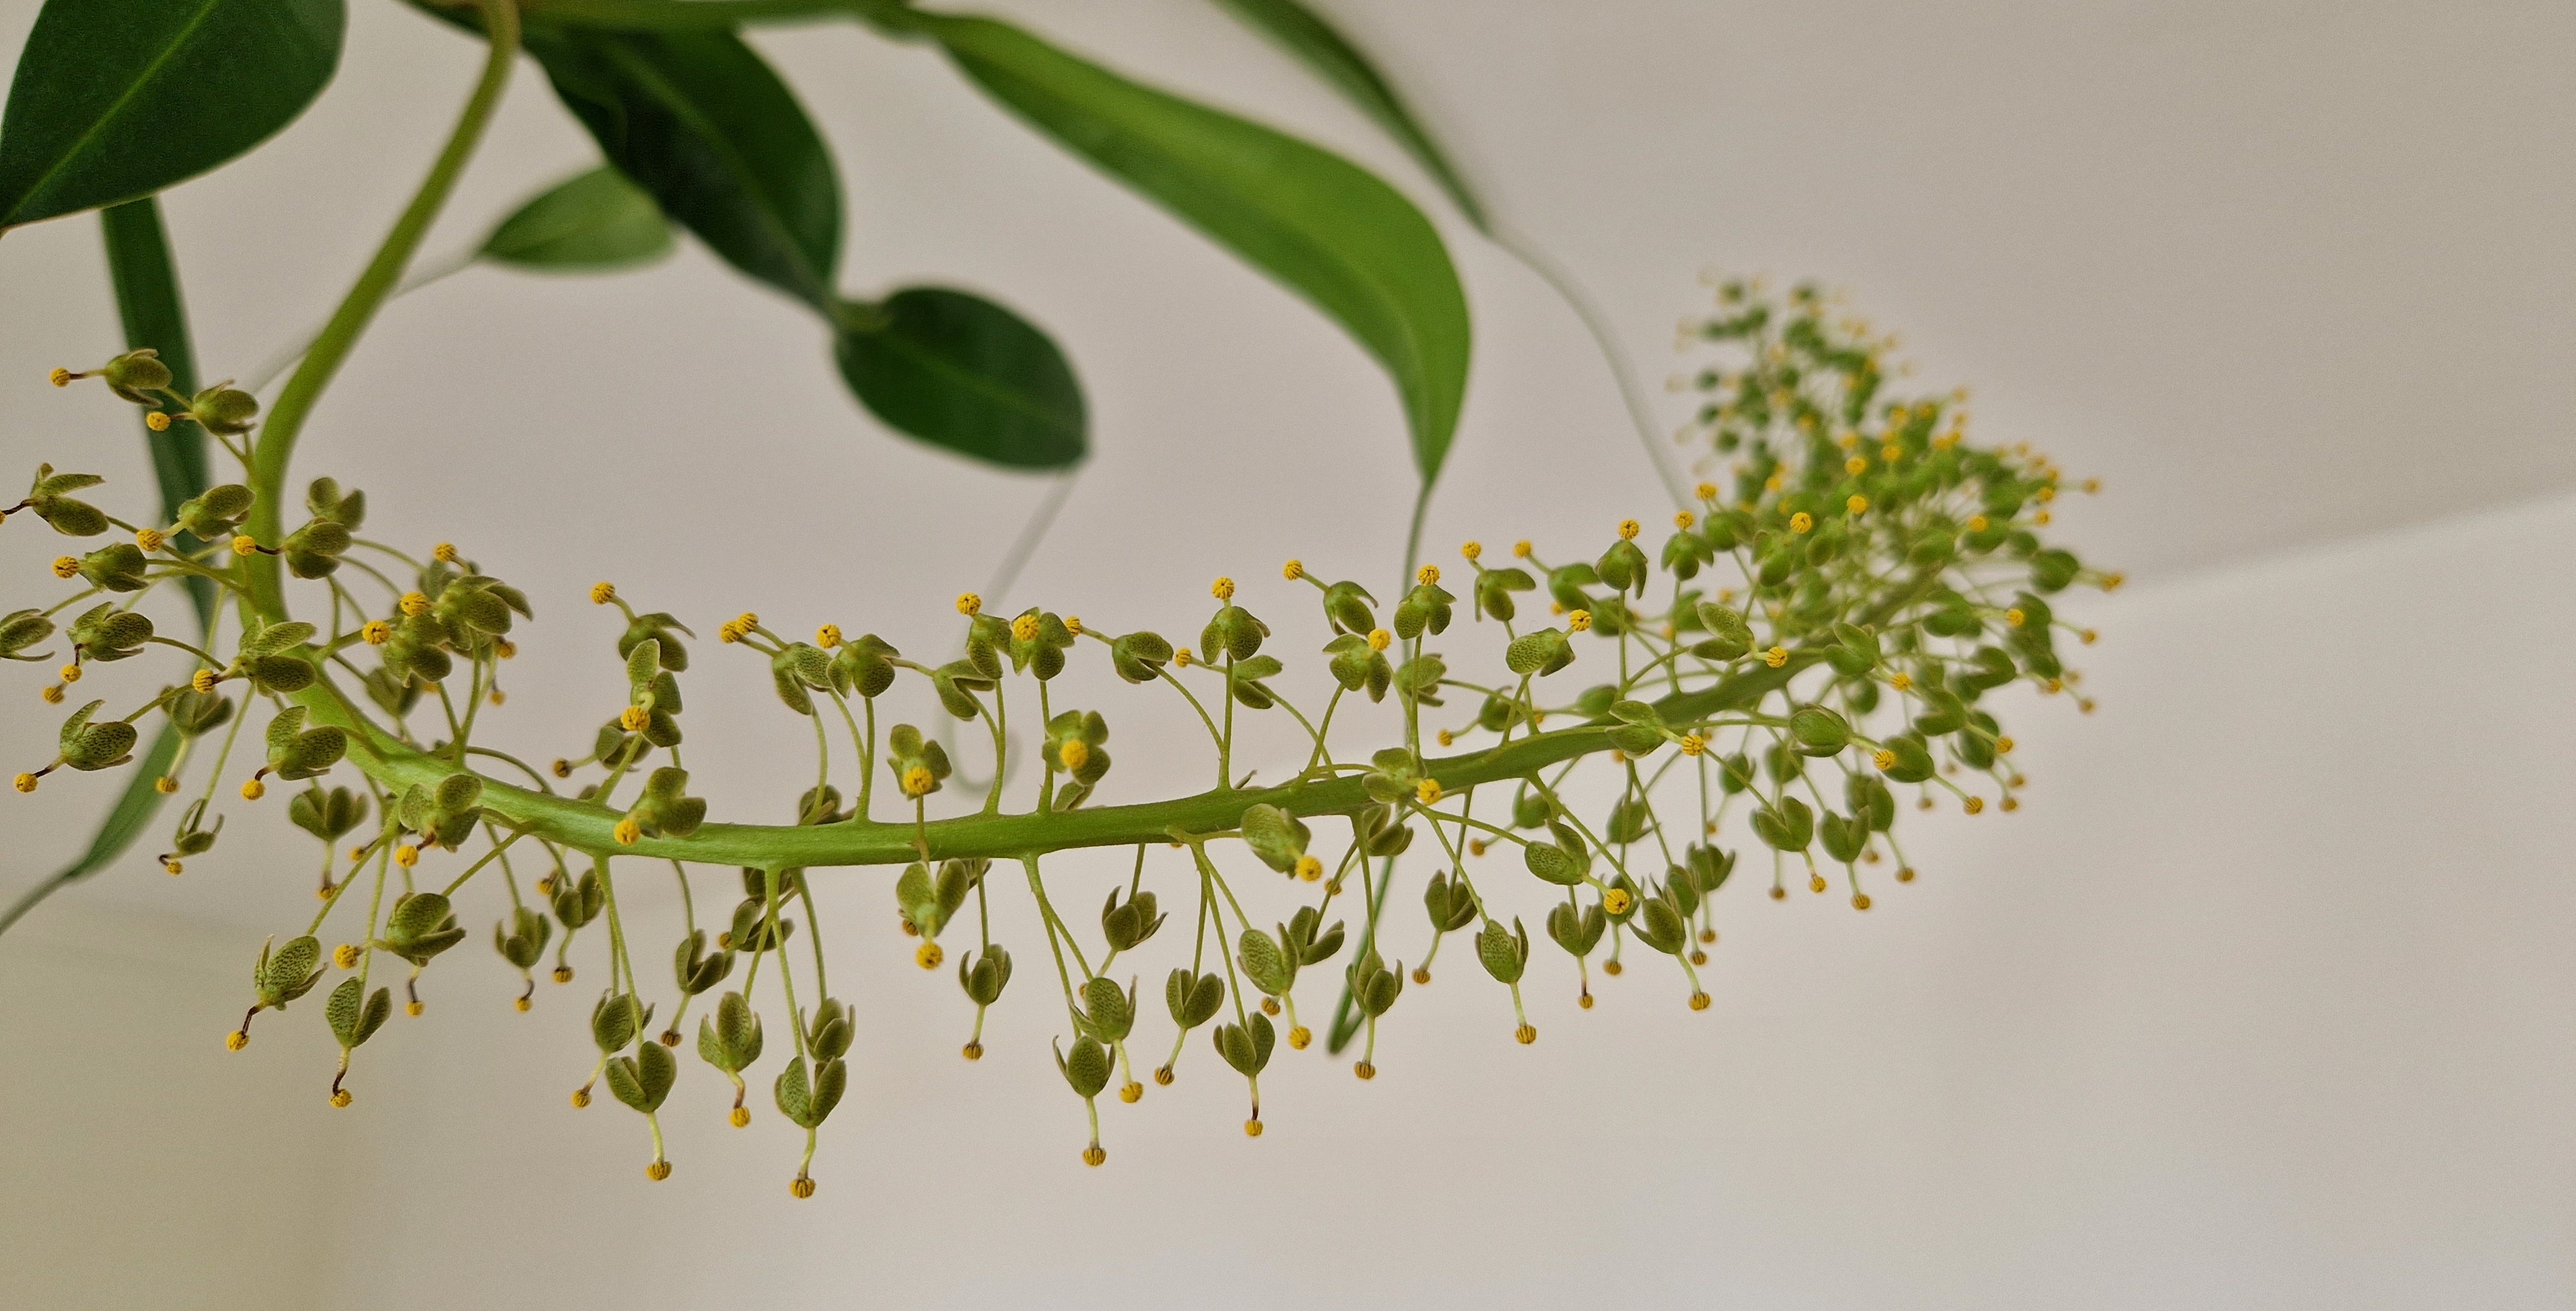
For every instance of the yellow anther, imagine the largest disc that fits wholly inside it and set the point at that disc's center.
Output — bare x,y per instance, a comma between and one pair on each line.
1775,482
1252,1128
65,566
444,553
1857,505
1182,657
71,673
2053,686
1471,550
1699,1001
1976,804
602,593
345,956
918,781
634,719
1628,530
1801,522
2043,518
1578,621
1475,846
1075,753
1901,681
1428,575
1521,548
658,1171
1024,628
520,1004
2003,746
1976,523
1379,639
26,782
2016,617
377,632
2012,803
406,855
1856,464
740,1117
202,681
1073,625
61,377
1299,1036
53,694
1094,1154
800,1188
1427,791
236,1040
1776,657
1816,883
253,790
1222,589
628,832
928,956
969,604
746,621
1131,1092
1884,758
1684,520
1693,744
580,1098
1905,874
1705,491
1891,453
506,649
562,974
415,603
166,785
157,421
1616,901
1447,738
1310,868
2111,582
150,539
727,633
2087,636
1293,570
498,696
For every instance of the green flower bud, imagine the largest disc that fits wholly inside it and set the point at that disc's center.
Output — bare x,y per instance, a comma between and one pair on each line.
106,633
23,629
1788,826
1494,588
1356,665
1275,836
1139,657
355,1015
805,1105
1087,1070
136,374
1541,653
117,568
327,815
1246,1046
1298,937
1234,632
828,1034
1107,1013
1425,608
324,499
1578,931
644,1079
217,512
1819,730
88,746
730,1040
695,970
1126,924
984,976
224,409
578,902
421,926
1349,608
1623,567
1269,968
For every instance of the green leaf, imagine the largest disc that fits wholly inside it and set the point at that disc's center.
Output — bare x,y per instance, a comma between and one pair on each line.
117,99
1304,33
961,372
701,123
147,298
134,809
1328,229
593,221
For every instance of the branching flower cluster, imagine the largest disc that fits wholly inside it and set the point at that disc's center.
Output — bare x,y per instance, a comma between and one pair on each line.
1824,634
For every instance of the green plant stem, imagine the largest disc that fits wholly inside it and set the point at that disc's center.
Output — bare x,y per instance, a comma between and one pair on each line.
286,419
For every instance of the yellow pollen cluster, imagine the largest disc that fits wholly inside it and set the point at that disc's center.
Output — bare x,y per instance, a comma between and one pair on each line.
1293,570
1628,530
1471,550
634,719
828,636
1181,657
65,566
1427,791
917,781
236,1040
1579,621
166,786
1976,804
202,681
1801,522
1856,464
1379,639
377,632
1684,520
1976,523
61,377
150,539
444,553
2015,617
1857,505
2003,746
1428,575
602,593
1901,681
1617,900
1073,625
245,544
345,956
1024,628
71,673
928,956
25,783
1776,657
407,855
1693,744
157,421
628,832
254,790
1222,589
173,868
1884,759
1310,868
1075,753
969,604
1447,738
1521,548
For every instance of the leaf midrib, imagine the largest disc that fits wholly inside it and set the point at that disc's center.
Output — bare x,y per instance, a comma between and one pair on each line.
150,71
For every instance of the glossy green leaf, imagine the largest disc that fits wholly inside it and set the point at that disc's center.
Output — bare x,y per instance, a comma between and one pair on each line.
1325,227
147,299
133,810
961,372
702,124
117,99
1304,33
593,221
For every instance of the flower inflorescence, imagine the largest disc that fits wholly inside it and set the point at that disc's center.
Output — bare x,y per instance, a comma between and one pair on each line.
1825,631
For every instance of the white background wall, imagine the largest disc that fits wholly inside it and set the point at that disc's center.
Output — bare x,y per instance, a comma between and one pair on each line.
2263,1000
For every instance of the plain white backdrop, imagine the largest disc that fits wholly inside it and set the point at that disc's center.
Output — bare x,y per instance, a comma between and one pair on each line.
2263,1000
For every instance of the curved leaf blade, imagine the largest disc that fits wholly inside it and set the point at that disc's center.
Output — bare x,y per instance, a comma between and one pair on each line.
963,373
117,99
1328,229
701,123
589,222
1323,49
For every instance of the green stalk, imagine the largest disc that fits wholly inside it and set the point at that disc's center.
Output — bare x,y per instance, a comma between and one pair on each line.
330,350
